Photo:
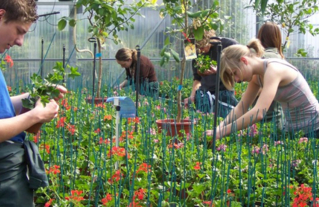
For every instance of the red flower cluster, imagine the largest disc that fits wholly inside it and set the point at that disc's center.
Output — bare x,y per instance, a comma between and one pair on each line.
100,105
197,166
209,203
75,196
139,194
71,128
128,134
65,104
134,120
61,122
107,117
48,204
102,141
106,199
9,88
55,169
176,145
117,176
119,151
46,147
303,196
134,204
9,60
144,167
98,130
36,137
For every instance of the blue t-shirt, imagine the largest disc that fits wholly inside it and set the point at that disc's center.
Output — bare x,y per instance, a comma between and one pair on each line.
6,107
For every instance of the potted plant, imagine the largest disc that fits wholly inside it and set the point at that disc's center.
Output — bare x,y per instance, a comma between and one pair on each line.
189,24
45,89
106,19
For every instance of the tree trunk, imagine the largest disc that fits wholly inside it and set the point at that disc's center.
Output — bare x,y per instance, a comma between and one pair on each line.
179,93
183,65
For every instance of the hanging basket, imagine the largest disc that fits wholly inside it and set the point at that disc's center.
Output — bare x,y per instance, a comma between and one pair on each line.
172,128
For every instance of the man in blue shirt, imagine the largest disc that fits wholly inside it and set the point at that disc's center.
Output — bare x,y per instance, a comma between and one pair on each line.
16,17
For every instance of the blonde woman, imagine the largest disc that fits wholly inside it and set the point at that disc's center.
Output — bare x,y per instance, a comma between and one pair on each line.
278,80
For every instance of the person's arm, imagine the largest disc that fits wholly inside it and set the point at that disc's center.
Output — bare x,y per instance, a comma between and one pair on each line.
191,98
9,127
123,84
195,87
196,84
17,102
12,126
257,113
238,112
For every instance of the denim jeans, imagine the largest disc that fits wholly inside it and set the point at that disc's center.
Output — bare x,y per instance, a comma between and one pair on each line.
206,104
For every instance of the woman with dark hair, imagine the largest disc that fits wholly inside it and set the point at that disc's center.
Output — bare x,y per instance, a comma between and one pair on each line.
127,58
270,38
278,79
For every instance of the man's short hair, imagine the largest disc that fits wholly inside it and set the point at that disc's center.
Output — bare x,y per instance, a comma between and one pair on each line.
206,39
19,10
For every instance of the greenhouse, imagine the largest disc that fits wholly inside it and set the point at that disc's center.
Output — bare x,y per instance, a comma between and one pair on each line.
250,138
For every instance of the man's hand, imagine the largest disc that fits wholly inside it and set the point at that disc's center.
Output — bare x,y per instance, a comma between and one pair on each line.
187,100
212,70
62,90
47,113
210,133
117,88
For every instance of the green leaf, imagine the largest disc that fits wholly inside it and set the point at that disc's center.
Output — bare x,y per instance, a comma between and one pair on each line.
175,55
302,53
72,23
199,33
163,50
74,72
263,5
257,4
194,15
205,13
28,103
61,24
167,41
162,61
167,54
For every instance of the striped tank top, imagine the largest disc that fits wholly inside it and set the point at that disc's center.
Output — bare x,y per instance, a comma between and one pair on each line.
300,106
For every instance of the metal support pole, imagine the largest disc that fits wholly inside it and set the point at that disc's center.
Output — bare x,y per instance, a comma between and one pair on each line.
42,60
219,50
92,39
117,123
63,61
137,78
